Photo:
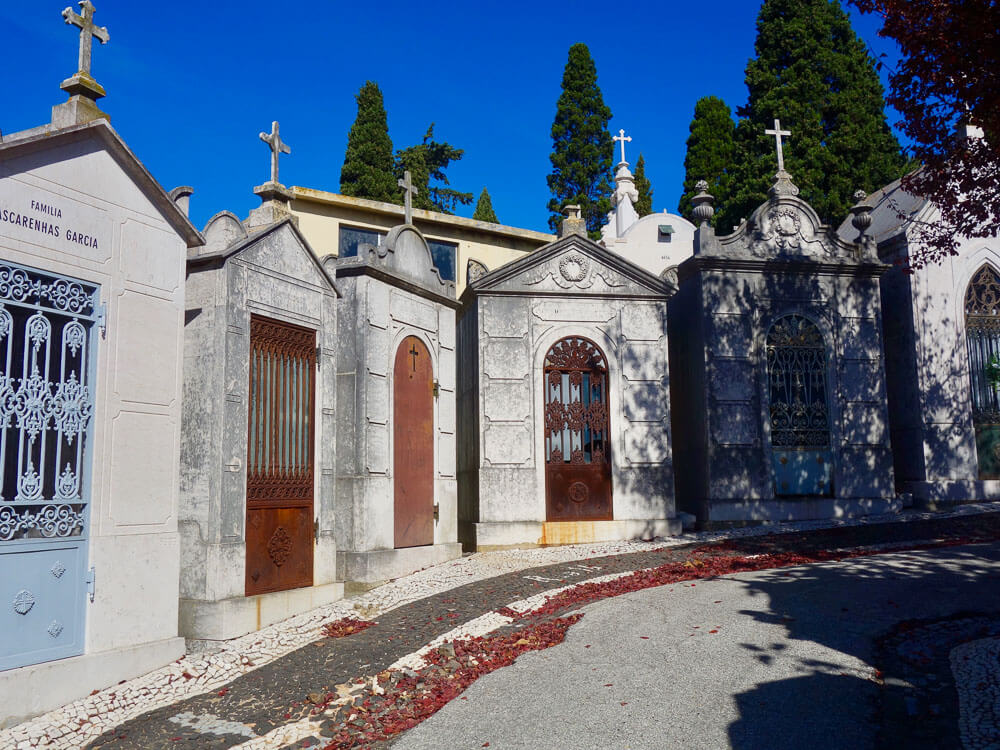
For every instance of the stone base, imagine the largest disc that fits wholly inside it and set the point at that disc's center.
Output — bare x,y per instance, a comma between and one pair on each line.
365,570
76,111
526,534
38,688
944,493
806,509
231,618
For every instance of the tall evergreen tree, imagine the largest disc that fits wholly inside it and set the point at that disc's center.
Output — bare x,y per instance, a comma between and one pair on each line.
368,166
710,154
644,206
813,73
427,161
484,209
581,145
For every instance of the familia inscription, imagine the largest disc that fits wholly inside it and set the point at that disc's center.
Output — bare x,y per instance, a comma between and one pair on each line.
62,224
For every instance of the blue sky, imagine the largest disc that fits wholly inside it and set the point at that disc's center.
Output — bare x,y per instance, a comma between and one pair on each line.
190,84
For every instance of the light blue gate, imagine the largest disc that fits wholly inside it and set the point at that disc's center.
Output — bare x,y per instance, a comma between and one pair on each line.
801,455
46,405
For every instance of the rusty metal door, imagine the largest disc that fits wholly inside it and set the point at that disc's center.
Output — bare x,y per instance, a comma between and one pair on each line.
413,444
280,452
577,436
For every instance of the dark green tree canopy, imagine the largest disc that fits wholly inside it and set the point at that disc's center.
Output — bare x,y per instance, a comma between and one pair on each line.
484,209
710,154
427,161
581,145
813,73
643,206
368,166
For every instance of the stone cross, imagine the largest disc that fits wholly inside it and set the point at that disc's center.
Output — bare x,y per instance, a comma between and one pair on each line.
622,137
278,146
777,133
408,192
87,32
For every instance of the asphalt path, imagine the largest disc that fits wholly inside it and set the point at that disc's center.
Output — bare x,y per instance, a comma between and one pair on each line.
773,659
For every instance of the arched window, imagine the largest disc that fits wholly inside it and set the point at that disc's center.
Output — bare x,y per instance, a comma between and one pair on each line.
982,337
577,445
798,407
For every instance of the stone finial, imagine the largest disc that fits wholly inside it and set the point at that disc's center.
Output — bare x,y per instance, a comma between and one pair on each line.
181,196
408,192
703,203
574,223
861,216
622,137
783,184
277,146
274,197
83,89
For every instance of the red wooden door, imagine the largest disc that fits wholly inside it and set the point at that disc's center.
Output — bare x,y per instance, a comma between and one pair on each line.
413,444
577,436
280,463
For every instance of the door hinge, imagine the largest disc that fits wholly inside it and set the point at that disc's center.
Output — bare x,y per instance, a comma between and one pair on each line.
316,529
437,511
102,319
91,583
437,389
319,356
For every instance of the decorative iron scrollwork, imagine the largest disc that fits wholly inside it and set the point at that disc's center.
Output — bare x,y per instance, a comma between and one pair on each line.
279,548
796,374
982,338
576,413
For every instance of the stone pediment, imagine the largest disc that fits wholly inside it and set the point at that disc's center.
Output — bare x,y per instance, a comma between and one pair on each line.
403,255
573,265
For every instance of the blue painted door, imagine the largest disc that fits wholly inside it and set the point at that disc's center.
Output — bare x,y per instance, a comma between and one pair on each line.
46,412
801,454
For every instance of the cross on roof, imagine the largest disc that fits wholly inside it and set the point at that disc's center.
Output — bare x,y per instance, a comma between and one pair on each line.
777,133
408,192
277,146
622,137
88,31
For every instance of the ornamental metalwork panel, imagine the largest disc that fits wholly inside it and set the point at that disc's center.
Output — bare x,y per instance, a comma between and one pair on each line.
47,372
280,456
577,434
982,340
798,407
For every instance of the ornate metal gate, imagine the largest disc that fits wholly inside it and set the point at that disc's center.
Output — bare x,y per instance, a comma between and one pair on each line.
577,444
280,456
413,444
801,453
46,408
982,337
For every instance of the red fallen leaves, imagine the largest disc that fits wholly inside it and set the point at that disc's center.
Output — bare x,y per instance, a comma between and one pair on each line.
345,626
409,700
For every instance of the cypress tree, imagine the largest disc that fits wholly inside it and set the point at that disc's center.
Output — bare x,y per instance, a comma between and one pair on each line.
581,145
813,73
484,209
644,206
367,170
710,154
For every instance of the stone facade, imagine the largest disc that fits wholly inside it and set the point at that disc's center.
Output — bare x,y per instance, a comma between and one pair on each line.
391,292
269,272
738,460
930,388
509,321
77,204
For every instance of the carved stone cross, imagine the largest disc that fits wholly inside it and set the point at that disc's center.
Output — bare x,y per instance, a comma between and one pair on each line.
777,133
88,31
622,137
408,192
278,146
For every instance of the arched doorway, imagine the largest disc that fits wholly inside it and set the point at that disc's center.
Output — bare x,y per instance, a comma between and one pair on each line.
413,444
577,436
798,408
982,337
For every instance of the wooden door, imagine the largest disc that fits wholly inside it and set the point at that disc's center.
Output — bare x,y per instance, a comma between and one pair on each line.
413,444
280,463
577,435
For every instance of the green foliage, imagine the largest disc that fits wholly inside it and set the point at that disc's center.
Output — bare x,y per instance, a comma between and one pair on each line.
484,209
710,154
993,371
367,170
813,73
427,161
581,145
643,206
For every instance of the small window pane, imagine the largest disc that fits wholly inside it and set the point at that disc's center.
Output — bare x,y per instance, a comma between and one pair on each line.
443,254
351,238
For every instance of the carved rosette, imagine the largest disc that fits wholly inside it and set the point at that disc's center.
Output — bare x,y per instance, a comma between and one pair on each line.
574,267
279,548
578,492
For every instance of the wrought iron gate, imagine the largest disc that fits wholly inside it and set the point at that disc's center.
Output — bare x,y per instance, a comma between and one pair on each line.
46,408
801,455
982,337
577,444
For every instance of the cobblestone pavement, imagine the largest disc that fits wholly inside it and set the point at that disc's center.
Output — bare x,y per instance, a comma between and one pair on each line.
252,685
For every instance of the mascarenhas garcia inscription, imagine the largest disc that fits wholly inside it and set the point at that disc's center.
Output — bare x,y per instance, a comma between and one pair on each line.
46,218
